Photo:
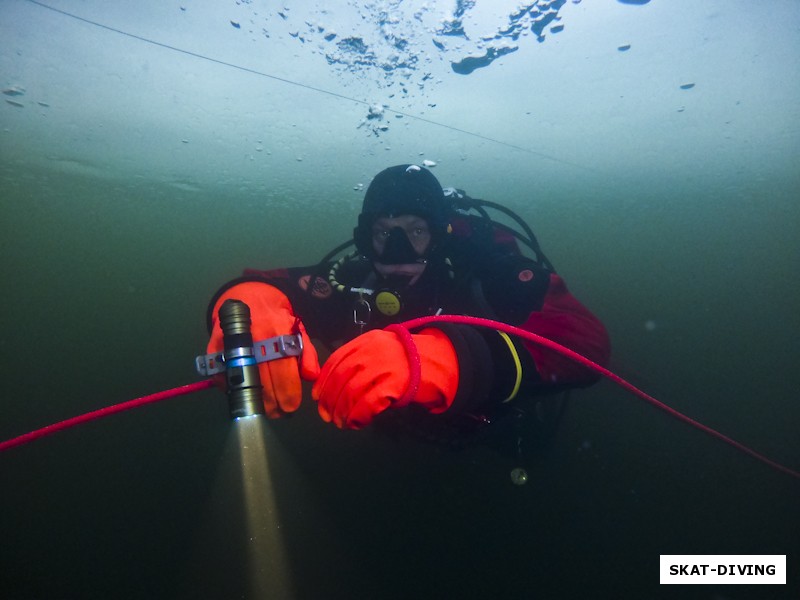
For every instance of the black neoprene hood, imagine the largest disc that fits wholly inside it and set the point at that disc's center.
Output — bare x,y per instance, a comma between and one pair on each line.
402,190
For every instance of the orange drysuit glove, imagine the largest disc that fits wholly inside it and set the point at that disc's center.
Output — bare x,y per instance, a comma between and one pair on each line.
372,373
271,315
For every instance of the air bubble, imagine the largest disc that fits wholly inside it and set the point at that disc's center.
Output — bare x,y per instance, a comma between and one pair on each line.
519,476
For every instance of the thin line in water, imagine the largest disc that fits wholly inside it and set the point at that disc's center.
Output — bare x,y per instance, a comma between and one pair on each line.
305,86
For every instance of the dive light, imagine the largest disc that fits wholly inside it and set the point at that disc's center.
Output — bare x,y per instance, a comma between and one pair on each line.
241,356
241,368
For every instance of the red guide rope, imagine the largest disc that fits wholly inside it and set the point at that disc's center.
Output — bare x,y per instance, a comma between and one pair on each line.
412,324
548,343
104,412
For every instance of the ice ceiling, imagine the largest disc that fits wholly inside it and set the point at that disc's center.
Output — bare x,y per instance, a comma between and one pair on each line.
267,95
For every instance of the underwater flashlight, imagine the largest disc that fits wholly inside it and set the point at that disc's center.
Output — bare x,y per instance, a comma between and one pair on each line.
241,356
241,370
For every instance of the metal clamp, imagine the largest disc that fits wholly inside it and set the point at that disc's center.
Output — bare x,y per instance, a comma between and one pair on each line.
280,346
366,309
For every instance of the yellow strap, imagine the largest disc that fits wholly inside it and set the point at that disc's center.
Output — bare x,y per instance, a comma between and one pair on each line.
517,364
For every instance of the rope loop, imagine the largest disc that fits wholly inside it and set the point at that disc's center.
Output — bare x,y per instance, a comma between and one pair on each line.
414,365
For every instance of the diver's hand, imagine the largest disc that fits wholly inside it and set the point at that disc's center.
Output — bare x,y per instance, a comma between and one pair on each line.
271,315
372,372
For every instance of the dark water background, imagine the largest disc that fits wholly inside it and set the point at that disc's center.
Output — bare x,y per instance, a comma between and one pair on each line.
104,292
134,181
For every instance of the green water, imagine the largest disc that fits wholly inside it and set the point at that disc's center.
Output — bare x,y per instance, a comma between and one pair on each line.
104,291
134,181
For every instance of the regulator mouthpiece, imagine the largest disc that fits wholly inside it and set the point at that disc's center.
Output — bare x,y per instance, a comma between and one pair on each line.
241,368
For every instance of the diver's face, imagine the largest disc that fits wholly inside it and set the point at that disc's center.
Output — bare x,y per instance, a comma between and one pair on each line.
416,229
400,244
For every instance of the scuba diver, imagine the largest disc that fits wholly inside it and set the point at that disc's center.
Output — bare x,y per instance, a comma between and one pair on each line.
420,250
